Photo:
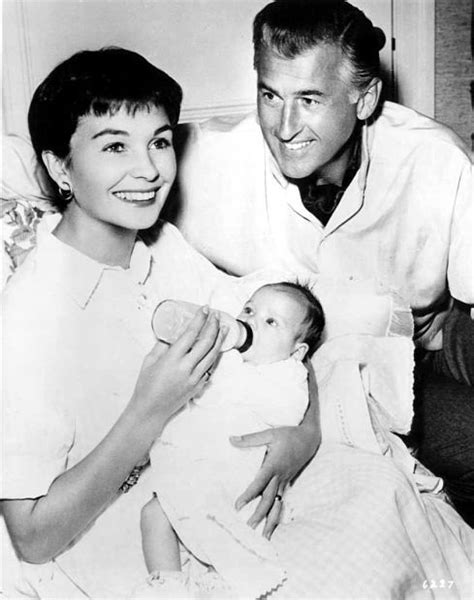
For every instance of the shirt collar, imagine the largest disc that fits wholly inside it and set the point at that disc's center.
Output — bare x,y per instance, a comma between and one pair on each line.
77,273
274,168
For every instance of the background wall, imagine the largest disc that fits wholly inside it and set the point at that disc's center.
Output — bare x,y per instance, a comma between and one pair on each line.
453,66
205,44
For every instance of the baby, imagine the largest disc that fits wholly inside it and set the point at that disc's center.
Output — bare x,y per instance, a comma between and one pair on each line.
198,474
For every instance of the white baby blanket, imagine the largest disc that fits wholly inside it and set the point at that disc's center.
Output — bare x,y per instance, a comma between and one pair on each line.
365,384
198,474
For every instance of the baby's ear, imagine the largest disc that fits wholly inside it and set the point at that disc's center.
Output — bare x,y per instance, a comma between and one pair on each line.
301,348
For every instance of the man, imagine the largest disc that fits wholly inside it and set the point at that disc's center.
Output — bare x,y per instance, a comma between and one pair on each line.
328,179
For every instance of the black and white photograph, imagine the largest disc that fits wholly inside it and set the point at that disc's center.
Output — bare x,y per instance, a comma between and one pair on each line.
237,300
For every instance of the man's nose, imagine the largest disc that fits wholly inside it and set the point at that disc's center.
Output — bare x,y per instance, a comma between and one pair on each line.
290,122
145,167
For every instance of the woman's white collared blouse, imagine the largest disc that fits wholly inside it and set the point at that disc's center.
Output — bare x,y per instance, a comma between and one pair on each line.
75,336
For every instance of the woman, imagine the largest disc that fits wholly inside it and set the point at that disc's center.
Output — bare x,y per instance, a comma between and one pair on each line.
82,407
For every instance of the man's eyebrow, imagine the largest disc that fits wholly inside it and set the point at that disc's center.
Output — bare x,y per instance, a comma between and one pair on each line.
110,131
261,85
308,92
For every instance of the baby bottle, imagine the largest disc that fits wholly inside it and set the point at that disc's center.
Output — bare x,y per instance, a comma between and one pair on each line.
171,317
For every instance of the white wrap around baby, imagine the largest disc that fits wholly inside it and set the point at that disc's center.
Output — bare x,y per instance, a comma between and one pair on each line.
199,474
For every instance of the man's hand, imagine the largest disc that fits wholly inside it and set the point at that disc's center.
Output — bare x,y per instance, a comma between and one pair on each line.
289,449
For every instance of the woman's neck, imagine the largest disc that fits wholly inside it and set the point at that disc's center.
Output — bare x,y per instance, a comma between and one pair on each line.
104,242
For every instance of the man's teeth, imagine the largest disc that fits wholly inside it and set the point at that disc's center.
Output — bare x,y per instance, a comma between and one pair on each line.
135,196
297,145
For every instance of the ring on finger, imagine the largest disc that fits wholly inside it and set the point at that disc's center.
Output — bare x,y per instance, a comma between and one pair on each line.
279,498
207,375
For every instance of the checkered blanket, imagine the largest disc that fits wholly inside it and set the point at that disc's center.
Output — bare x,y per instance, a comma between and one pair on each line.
358,527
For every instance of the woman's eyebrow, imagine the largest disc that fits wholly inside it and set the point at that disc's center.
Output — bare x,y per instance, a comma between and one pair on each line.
110,131
162,129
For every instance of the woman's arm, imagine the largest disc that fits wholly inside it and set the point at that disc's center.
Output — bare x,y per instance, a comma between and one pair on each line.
41,528
289,449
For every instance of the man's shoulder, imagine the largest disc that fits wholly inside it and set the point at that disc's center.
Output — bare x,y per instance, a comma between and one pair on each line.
232,126
221,136
407,131
170,249
163,238
219,149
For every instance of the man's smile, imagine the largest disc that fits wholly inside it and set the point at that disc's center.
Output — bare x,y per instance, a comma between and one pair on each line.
296,146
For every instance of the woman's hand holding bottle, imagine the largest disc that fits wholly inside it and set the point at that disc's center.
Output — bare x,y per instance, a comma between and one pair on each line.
172,375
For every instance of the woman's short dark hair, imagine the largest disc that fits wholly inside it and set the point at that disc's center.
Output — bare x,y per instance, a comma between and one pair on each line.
292,27
96,82
314,322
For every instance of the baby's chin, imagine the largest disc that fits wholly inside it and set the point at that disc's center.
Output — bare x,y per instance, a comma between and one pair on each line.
254,357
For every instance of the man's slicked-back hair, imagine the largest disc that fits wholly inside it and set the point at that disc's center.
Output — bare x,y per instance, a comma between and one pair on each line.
292,27
96,82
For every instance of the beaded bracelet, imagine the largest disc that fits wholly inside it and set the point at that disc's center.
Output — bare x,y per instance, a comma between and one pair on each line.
133,478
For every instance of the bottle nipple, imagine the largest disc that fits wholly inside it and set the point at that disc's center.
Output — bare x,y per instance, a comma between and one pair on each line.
171,318
246,342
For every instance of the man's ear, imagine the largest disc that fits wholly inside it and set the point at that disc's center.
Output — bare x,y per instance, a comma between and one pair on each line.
56,168
368,100
300,351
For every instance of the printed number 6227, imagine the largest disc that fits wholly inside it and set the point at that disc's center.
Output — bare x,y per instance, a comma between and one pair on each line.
429,584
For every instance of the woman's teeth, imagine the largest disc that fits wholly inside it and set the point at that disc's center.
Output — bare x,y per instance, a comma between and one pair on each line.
136,196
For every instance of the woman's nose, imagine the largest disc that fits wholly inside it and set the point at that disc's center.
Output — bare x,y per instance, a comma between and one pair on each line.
145,167
290,122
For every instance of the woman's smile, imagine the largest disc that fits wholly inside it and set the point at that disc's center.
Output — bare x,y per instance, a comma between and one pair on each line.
141,198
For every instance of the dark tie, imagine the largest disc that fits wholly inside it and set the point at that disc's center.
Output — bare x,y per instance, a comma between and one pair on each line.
321,200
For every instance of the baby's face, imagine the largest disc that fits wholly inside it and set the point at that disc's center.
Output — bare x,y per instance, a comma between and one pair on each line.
276,319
